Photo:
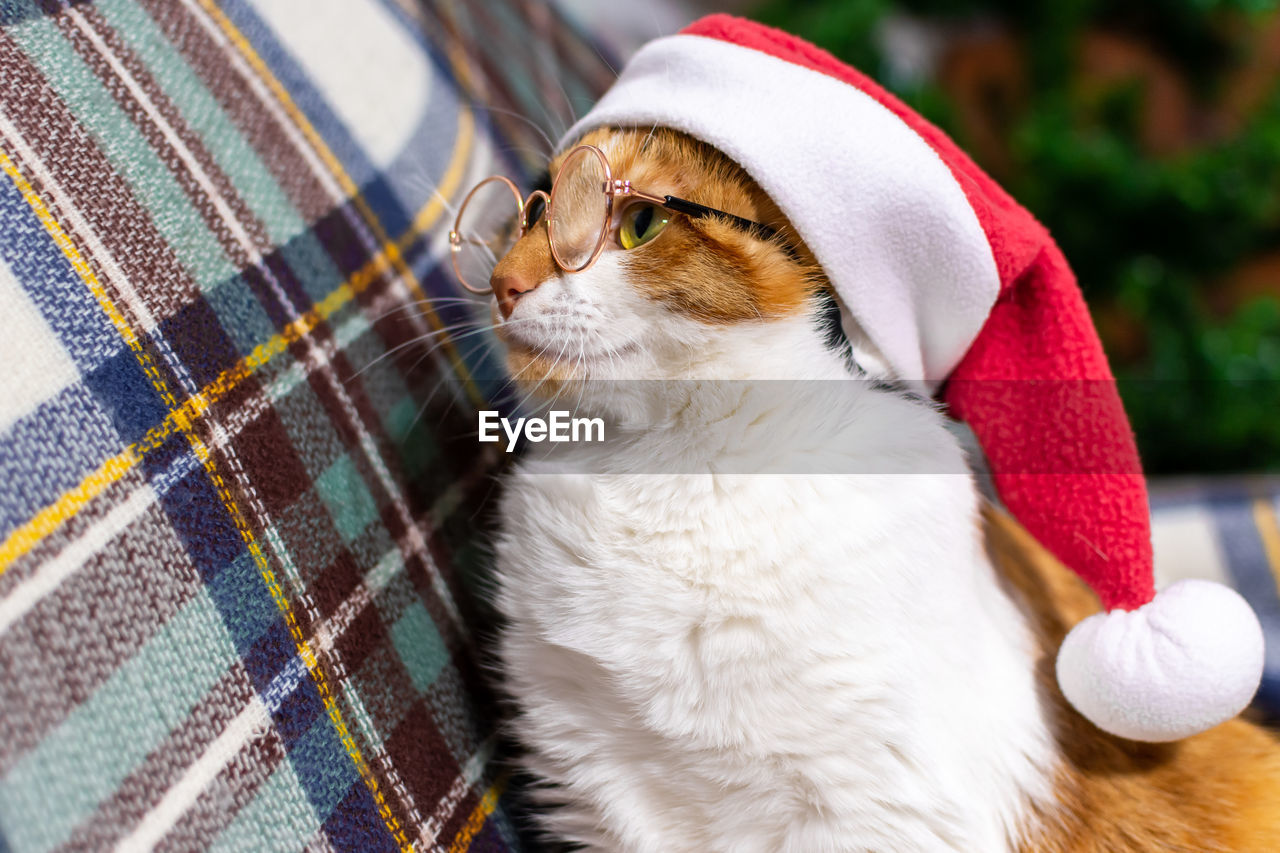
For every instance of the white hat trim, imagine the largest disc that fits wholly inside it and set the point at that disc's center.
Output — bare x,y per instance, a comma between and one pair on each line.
878,207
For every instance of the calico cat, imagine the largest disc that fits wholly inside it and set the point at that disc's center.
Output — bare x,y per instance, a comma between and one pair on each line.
711,661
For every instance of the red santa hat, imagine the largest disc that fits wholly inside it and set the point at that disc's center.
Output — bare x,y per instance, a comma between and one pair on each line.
946,280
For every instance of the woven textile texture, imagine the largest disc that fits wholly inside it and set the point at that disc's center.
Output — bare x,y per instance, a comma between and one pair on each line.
1227,530
237,542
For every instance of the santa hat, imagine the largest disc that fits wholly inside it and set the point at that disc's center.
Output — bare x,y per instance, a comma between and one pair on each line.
950,282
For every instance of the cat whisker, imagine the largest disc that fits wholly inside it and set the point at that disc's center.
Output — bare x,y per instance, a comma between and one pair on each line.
645,145
596,47
445,376
526,149
417,339
568,103
480,326
454,300
532,391
489,327
419,303
422,181
546,66
447,331
448,374
516,376
551,147
582,387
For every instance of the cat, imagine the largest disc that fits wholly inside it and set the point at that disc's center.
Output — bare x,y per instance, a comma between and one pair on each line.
706,658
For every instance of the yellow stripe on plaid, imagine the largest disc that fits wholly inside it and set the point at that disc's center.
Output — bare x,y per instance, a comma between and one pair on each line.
56,514
1264,518
475,821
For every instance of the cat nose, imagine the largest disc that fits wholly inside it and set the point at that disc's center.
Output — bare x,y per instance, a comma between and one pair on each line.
509,287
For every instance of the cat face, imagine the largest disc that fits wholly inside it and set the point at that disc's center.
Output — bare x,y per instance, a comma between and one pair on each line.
663,300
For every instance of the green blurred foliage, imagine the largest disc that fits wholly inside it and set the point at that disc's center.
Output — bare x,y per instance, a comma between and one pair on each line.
1149,237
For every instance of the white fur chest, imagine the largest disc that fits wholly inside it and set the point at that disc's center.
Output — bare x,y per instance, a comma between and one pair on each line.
769,662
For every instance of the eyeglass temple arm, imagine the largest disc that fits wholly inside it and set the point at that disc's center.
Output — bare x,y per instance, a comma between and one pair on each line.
692,208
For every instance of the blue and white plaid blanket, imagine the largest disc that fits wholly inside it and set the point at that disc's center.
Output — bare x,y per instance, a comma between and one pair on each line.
236,541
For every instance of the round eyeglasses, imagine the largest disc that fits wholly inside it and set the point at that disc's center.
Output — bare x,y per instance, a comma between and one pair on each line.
578,212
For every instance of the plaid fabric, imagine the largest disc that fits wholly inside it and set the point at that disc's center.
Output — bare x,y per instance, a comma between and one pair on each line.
236,542
1228,531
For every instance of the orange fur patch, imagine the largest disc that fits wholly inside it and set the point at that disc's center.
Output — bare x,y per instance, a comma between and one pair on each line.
1219,790
706,268
540,373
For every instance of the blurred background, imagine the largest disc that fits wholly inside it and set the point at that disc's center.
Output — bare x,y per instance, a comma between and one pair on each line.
1145,135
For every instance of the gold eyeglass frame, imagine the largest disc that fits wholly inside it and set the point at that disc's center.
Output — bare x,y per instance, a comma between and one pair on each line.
612,189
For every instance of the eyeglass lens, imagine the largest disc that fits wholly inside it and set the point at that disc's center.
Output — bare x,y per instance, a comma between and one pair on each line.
488,226
579,208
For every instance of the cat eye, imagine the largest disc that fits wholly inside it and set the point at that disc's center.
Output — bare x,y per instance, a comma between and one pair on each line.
533,209
578,213
640,224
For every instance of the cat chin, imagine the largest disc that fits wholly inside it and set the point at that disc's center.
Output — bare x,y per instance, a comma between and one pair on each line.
537,371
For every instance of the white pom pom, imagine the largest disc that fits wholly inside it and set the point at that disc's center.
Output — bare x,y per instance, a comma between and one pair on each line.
1187,660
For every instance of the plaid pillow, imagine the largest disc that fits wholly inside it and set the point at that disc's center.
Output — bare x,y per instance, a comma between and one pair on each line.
236,538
